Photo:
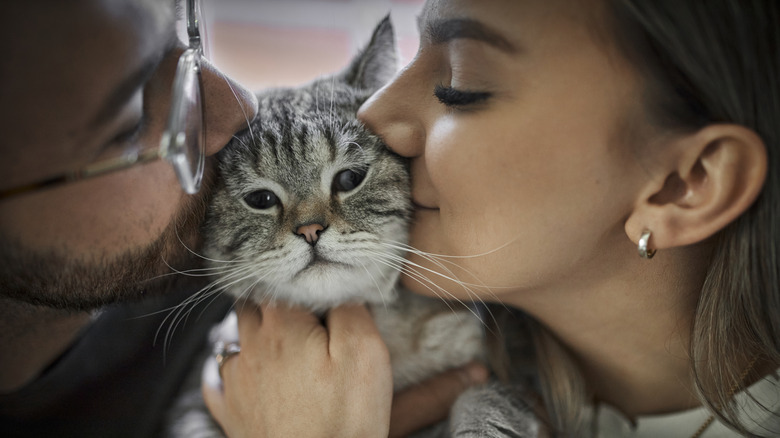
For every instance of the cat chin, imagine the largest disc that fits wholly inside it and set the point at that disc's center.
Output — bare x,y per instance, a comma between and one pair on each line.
320,288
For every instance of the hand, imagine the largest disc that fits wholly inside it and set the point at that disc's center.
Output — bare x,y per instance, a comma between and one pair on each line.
429,402
297,377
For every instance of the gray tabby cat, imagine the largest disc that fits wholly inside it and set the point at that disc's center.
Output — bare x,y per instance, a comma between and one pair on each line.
311,209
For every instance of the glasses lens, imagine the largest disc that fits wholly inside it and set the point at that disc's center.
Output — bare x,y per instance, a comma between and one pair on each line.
182,142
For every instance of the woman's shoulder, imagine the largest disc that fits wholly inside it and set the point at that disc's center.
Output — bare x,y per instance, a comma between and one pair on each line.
759,407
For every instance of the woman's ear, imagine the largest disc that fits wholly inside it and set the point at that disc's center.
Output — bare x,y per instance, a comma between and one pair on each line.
711,177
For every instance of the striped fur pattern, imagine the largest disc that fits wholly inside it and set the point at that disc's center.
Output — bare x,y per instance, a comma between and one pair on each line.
312,209
302,143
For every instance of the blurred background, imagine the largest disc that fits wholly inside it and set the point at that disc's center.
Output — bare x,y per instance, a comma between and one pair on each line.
265,43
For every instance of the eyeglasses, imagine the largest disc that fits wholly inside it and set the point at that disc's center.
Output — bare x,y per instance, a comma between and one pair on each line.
182,143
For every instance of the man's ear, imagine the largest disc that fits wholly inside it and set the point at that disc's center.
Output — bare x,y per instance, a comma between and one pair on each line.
710,178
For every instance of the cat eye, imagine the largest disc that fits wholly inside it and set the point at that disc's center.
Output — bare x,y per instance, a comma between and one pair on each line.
261,199
349,179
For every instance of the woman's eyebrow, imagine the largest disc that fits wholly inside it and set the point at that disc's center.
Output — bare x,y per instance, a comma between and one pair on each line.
125,90
443,31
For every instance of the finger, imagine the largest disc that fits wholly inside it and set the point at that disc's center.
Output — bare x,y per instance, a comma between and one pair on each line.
287,317
272,331
350,318
429,402
351,327
249,318
291,324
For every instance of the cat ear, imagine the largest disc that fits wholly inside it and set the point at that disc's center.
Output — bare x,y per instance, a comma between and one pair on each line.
375,65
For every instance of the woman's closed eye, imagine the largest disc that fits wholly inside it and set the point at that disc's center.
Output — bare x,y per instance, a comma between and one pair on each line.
456,98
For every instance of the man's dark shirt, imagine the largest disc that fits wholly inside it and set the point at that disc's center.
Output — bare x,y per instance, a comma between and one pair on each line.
115,381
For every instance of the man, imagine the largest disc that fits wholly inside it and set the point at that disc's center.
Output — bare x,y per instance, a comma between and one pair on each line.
93,215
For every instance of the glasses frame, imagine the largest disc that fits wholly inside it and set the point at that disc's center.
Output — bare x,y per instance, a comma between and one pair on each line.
173,143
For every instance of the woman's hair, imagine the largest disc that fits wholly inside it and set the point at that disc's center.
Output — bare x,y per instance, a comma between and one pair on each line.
705,62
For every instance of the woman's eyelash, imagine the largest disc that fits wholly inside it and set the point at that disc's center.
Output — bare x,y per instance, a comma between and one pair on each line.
453,97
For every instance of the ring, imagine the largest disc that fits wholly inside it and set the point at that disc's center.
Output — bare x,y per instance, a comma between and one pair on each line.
224,351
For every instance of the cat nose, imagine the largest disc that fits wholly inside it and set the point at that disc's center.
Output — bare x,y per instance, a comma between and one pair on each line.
310,232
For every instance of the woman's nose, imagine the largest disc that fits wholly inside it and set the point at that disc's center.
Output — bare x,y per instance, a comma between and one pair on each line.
394,113
228,107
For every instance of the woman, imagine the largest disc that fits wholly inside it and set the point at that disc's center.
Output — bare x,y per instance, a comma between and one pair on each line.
552,140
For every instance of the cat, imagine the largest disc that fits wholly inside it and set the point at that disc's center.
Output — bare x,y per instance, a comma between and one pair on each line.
311,209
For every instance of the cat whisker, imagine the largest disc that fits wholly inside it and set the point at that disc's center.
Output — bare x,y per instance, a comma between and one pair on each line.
243,111
482,286
473,296
195,272
199,255
179,313
252,270
194,296
417,277
452,278
204,272
248,289
223,289
332,99
412,269
409,248
183,313
316,94
438,262
362,150
190,272
399,265
379,289
426,283
423,279
273,288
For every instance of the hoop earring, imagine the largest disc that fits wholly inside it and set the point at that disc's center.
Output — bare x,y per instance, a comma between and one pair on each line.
642,247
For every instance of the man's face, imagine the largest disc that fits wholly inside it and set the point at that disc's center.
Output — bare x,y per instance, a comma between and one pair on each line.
85,81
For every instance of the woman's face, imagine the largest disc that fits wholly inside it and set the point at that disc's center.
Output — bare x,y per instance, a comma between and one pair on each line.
515,115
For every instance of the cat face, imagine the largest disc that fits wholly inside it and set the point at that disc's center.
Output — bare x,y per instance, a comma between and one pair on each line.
311,208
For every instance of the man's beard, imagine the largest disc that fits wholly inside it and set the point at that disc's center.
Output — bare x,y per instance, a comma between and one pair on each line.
56,281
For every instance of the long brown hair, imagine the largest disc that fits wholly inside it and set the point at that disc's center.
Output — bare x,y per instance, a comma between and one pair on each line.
712,62
704,62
